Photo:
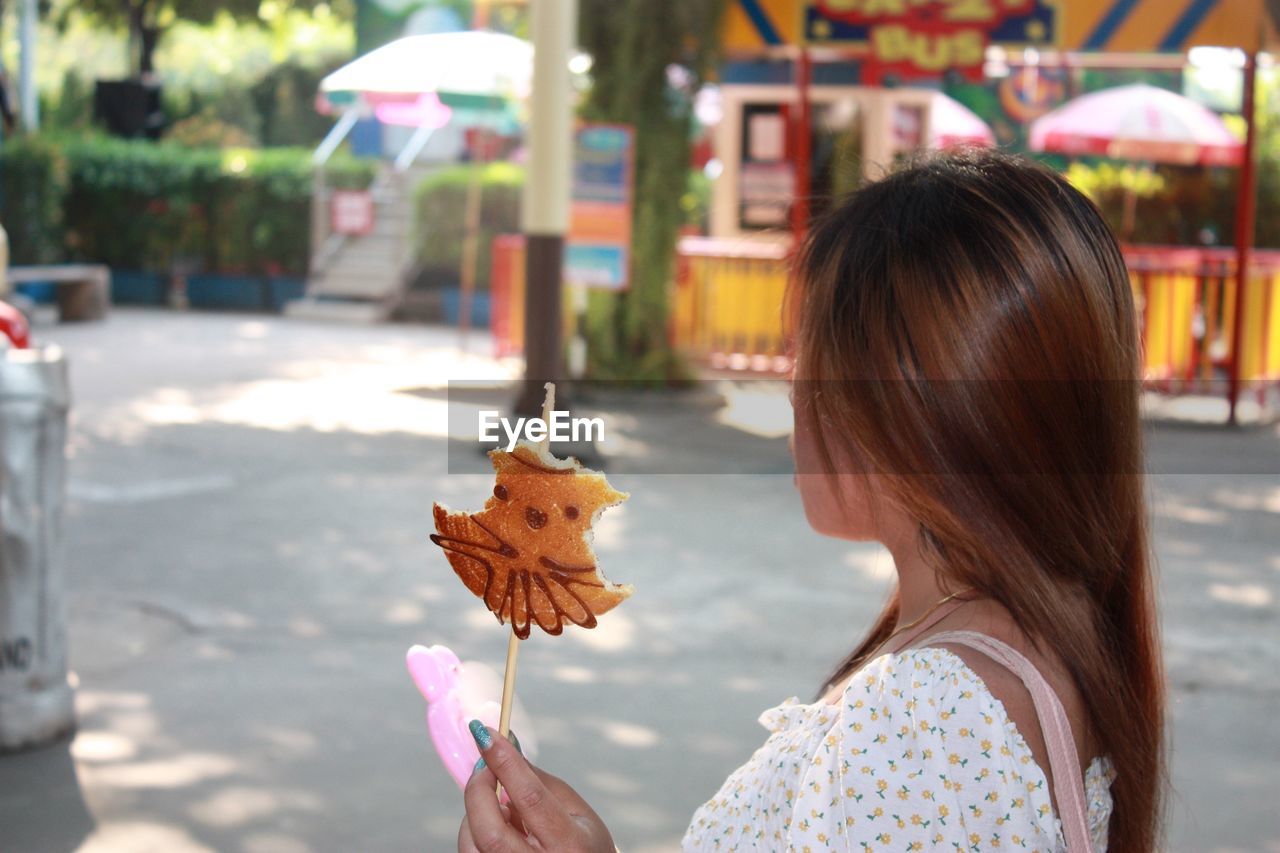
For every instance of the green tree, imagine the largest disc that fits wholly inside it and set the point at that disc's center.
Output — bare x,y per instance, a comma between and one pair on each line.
649,59
147,20
1268,158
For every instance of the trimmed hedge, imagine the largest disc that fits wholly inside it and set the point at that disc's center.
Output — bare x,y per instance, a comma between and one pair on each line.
33,183
140,205
440,200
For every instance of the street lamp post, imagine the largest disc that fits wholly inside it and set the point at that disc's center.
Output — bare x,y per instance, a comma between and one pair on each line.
545,205
1246,211
28,100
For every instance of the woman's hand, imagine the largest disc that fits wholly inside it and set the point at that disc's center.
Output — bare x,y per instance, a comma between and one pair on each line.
544,813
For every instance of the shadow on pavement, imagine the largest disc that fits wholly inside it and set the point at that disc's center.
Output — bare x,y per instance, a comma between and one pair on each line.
248,561
41,805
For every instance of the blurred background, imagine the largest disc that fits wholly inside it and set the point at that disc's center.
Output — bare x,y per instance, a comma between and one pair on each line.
262,261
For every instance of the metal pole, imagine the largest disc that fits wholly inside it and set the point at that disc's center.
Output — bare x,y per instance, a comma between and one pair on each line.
28,100
471,231
545,204
1246,205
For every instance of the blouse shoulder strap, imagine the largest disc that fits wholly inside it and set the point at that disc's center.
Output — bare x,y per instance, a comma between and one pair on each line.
1064,763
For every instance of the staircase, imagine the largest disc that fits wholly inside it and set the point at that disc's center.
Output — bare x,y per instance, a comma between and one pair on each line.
361,279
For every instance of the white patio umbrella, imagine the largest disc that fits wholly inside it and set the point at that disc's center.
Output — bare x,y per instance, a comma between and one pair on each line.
475,63
409,80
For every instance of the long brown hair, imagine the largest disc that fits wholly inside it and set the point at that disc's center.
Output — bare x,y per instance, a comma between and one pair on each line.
968,321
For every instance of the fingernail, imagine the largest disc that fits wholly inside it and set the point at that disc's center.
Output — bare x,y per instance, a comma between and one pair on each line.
484,740
479,766
515,741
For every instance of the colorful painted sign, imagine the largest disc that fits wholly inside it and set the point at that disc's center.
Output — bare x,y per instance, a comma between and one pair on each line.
909,39
1030,92
1103,26
598,247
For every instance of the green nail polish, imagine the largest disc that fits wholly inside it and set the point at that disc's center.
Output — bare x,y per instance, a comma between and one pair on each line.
515,741
480,765
484,740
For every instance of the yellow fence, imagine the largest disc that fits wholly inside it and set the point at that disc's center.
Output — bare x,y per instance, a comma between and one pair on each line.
727,306
727,312
727,303
1187,299
1260,337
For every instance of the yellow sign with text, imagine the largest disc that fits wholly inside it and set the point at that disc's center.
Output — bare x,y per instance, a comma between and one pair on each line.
913,38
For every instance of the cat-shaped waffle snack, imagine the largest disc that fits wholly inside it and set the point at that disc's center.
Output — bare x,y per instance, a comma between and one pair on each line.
528,553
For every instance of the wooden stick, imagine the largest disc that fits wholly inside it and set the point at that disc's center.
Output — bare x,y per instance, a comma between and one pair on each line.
513,642
509,682
548,406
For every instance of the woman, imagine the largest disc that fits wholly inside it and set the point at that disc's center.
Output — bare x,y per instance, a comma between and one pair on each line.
966,394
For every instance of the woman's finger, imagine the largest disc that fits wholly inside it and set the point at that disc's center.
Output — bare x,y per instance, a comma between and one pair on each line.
542,813
490,832
465,844
569,798
579,810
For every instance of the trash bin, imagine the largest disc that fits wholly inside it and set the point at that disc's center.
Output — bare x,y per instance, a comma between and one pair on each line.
36,700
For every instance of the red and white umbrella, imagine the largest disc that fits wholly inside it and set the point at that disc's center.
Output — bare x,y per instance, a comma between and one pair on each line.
1138,122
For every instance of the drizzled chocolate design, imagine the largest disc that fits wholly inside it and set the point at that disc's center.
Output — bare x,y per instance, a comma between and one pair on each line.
529,563
535,518
501,597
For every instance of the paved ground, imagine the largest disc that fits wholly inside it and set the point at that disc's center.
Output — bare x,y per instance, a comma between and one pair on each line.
247,560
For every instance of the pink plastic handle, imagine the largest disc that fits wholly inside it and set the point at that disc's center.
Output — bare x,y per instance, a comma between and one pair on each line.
438,672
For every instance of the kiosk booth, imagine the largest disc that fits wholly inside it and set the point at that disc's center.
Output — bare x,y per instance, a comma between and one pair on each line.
821,95
852,131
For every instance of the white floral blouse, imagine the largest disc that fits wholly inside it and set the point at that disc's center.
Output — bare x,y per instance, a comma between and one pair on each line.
918,756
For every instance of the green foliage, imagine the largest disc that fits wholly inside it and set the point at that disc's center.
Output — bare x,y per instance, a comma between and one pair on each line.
344,172
1172,204
33,176
696,202
138,205
226,118
634,44
378,23
1093,79
155,17
206,130
72,109
116,183
117,13
439,222
277,109
1107,177
257,103
284,100
1268,223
